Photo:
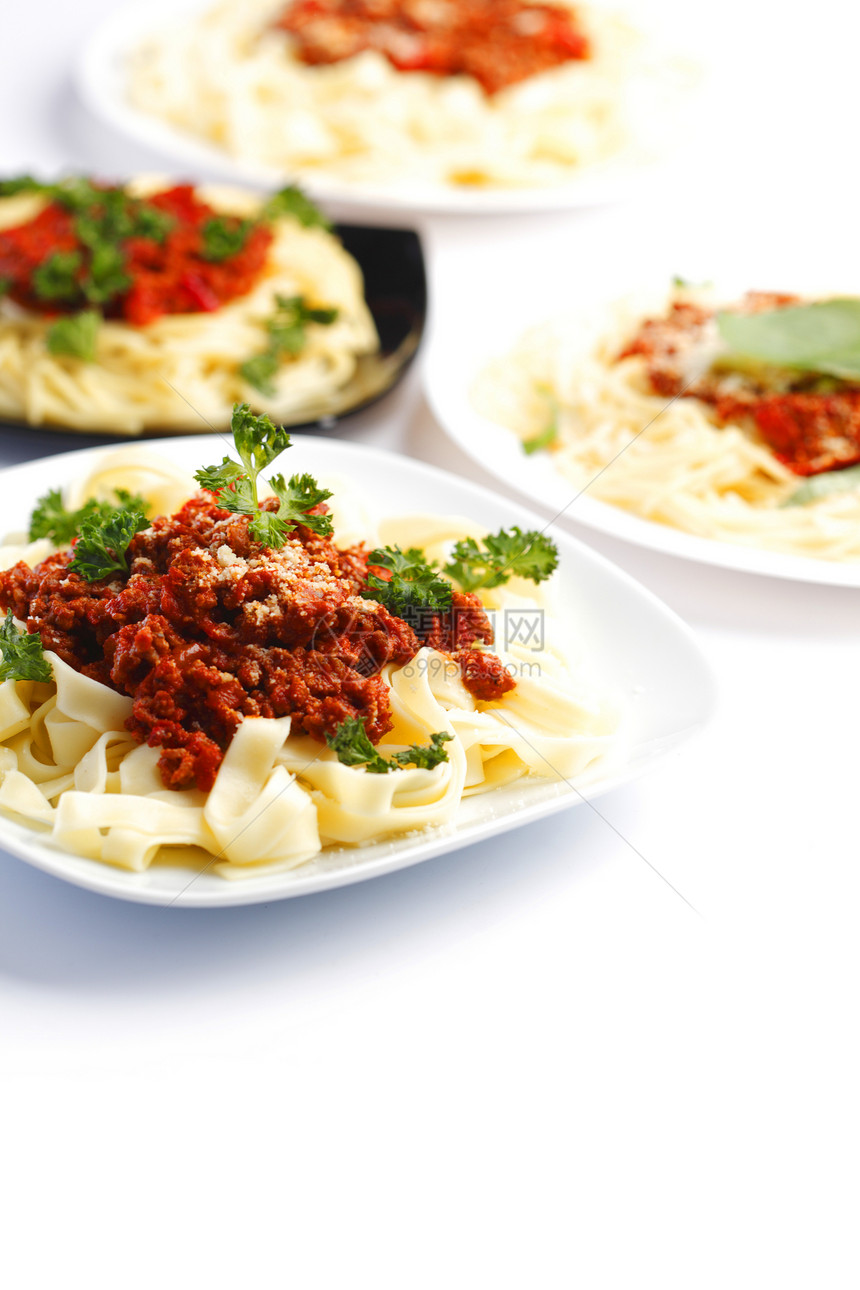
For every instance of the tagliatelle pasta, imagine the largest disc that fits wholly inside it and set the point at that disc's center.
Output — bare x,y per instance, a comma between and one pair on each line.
183,370
230,76
71,769
666,459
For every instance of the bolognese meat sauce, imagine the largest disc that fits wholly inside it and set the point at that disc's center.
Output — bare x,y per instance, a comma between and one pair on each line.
210,626
136,259
810,424
497,42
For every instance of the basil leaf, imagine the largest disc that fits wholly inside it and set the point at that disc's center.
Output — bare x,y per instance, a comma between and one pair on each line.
820,337
829,481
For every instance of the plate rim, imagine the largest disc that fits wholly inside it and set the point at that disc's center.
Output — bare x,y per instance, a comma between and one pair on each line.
109,881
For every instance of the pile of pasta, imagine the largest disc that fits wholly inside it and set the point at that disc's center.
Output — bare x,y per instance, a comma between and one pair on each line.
71,770
181,372
666,460
228,76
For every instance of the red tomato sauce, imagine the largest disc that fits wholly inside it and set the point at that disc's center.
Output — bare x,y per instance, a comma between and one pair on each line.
497,42
808,428
167,277
209,627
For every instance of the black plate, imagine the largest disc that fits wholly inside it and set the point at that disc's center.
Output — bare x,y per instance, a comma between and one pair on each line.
395,288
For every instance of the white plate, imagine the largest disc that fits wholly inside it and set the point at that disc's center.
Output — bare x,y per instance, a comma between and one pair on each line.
101,82
642,651
458,351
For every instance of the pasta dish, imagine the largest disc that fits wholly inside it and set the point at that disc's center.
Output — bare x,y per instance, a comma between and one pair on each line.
226,678
477,93
738,422
125,308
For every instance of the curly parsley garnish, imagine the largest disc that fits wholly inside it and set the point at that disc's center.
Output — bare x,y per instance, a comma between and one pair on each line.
103,543
258,442
76,335
224,236
51,519
352,744
413,585
21,655
529,555
287,330
292,202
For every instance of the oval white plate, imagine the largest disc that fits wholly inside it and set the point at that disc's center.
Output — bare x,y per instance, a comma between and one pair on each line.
642,650
101,82
461,348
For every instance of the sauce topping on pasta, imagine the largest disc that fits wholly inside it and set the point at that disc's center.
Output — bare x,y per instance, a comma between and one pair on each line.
132,259
497,42
811,422
210,626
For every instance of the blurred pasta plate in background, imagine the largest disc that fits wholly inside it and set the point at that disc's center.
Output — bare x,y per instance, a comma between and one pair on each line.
722,427
424,104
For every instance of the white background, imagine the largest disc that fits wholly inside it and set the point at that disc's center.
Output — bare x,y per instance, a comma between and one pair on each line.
529,1063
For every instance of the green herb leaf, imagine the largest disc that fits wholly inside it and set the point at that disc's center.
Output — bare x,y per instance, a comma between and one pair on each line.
76,335
50,519
224,236
259,371
301,494
352,745
102,545
215,478
529,555
56,278
414,586
152,222
549,435
21,184
107,277
824,485
820,337
292,202
287,330
21,655
258,442
426,758
5,284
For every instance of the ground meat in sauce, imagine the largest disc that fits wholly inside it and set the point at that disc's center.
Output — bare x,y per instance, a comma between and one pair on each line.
171,276
210,626
497,42
809,423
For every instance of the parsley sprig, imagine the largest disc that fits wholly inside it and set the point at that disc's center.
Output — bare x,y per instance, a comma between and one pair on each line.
258,442
287,330
21,655
224,236
51,519
76,335
292,202
352,744
102,546
504,554
413,585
